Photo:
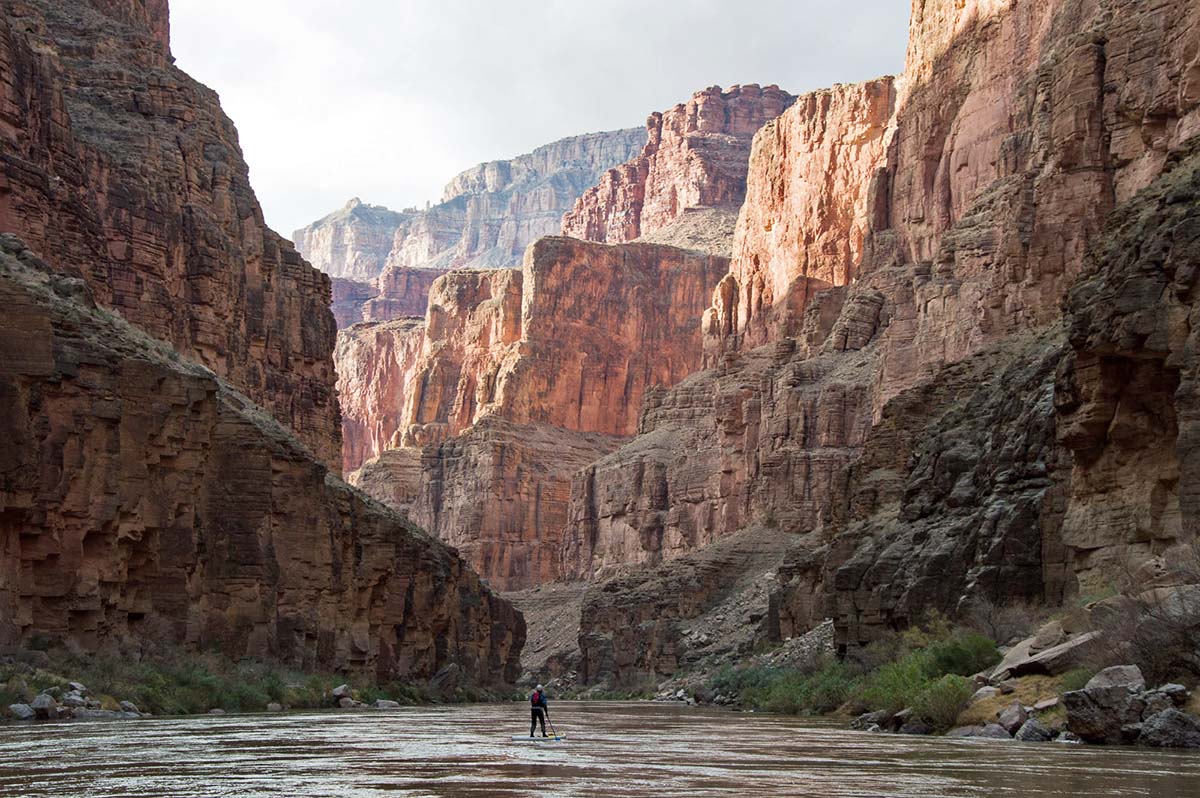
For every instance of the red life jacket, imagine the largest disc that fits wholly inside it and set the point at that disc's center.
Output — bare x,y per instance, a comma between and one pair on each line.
535,699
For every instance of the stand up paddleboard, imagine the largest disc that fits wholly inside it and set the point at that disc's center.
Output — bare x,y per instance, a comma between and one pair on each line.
556,739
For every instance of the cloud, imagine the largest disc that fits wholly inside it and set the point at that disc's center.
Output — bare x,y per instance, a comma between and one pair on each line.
389,100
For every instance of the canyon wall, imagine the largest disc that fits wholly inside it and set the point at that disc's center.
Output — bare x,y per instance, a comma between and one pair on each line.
488,215
972,453
144,502
121,169
806,212
353,242
695,157
525,377
148,493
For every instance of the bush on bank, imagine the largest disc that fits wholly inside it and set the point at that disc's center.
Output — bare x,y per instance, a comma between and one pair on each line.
925,669
180,683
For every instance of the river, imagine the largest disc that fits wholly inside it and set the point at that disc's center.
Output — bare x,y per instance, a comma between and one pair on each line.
612,749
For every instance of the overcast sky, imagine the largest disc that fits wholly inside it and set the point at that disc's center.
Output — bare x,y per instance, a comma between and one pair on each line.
388,99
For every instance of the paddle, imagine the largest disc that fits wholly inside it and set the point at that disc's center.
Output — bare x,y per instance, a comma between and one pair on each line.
552,726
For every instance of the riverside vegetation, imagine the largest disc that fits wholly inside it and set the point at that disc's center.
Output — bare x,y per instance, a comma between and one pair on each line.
187,683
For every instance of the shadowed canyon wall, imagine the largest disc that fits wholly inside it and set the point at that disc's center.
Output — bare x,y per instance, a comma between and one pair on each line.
119,167
154,331
145,500
904,425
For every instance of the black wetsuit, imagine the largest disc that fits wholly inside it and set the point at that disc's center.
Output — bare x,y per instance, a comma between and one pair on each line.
538,709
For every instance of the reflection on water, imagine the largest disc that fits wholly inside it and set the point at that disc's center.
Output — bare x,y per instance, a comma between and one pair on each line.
614,749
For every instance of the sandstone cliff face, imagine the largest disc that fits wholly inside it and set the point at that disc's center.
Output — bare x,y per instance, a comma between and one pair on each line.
353,242
349,297
399,293
1017,130
525,377
695,157
143,499
802,226
119,168
376,362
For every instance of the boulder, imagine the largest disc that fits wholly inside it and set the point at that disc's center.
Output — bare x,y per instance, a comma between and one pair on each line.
74,699
1068,737
341,691
881,718
990,731
985,693
1178,693
1097,714
1171,728
1033,731
1155,701
447,678
1022,659
129,706
346,702
384,703
274,706
1013,717
216,712
45,707
78,688
1128,676
1045,704
22,711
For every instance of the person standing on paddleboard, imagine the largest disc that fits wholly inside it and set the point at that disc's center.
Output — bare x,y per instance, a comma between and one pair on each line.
539,708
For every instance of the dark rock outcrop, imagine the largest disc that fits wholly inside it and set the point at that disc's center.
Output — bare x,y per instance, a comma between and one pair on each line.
119,169
144,500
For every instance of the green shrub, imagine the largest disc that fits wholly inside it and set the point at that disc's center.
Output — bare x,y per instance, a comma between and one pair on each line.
1076,679
963,654
940,703
897,685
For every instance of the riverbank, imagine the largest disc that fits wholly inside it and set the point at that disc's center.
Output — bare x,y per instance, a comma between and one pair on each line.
57,684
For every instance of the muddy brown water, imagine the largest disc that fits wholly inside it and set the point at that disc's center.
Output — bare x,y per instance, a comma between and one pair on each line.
612,749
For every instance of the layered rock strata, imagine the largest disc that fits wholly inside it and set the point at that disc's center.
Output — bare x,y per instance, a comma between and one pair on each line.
144,501
525,377
803,224
120,169
376,365
949,475
695,157
488,215
353,242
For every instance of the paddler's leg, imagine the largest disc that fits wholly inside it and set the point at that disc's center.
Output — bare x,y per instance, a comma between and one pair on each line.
533,713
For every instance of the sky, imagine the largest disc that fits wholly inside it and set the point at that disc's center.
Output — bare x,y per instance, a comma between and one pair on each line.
388,100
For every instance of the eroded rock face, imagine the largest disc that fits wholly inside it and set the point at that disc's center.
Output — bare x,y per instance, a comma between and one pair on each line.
400,293
353,242
120,169
143,499
806,212
349,298
556,358
695,157
376,363
932,467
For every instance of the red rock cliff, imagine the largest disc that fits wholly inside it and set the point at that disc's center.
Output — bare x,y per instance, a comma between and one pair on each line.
907,420
143,499
806,212
119,168
527,376
696,157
